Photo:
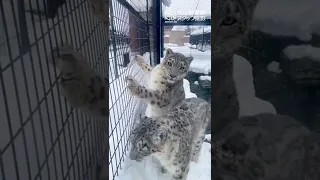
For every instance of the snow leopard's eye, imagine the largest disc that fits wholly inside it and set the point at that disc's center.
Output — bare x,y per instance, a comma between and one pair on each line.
181,68
228,21
169,64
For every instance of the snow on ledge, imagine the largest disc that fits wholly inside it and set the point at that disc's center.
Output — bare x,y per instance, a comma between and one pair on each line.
288,18
296,52
274,67
205,78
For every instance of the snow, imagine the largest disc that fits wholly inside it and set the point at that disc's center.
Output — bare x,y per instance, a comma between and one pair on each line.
133,170
207,137
201,31
249,103
205,78
288,18
201,60
166,35
196,83
186,86
274,67
300,51
178,28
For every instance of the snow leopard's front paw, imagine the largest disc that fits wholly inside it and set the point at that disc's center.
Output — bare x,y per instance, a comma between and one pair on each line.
133,86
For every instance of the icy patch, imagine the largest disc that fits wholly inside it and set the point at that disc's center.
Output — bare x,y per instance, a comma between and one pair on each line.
274,67
288,18
205,78
186,86
296,52
249,104
133,170
196,83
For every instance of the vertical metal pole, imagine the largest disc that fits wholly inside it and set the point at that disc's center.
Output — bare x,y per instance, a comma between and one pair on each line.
148,31
202,37
24,36
114,45
158,29
162,38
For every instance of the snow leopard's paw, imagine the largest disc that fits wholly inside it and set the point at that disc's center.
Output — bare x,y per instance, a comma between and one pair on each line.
133,86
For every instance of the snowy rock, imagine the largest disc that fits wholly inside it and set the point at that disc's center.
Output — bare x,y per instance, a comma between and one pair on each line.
302,64
274,67
205,82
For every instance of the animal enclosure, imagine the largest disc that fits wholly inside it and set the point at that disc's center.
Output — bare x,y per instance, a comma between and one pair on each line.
132,32
42,137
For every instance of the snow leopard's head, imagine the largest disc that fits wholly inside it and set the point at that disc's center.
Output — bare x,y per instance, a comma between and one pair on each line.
231,21
148,137
176,65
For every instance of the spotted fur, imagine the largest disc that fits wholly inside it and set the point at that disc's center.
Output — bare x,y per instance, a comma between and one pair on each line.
165,85
79,84
174,139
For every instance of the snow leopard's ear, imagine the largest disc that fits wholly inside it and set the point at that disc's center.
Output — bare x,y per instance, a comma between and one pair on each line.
169,51
189,59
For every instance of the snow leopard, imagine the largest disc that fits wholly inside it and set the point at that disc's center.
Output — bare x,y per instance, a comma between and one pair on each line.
175,138
165,84
80,85
264,146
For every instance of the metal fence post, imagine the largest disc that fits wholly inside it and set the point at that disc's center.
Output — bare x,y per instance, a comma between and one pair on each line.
114,44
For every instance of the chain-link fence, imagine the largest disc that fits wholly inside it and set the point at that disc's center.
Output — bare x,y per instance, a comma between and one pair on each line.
132,33
41,136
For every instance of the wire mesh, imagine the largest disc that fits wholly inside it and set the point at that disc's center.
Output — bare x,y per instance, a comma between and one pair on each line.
131,33
42,137
175,10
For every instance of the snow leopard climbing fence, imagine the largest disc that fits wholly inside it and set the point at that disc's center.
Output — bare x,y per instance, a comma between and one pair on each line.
41,136
132,32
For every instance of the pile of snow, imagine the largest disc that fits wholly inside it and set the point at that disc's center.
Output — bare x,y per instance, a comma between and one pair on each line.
201,31
300,51
274,67
186,86
249,103
196,83
133,170
205,78
179,28
166,35
288,18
